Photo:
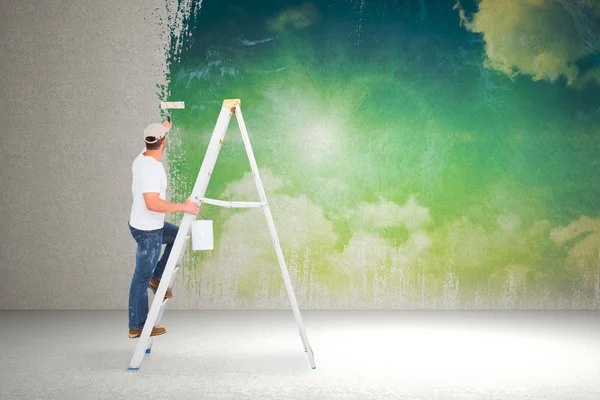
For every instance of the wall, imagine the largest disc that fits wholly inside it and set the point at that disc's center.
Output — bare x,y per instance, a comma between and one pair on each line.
415,155
78,85
407,163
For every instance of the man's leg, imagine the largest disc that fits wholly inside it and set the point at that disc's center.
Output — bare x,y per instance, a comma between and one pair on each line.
148,251
168,238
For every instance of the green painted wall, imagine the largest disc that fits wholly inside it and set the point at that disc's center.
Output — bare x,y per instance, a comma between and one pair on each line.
415,154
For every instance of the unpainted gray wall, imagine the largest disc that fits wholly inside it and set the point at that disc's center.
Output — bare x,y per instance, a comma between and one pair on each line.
78,85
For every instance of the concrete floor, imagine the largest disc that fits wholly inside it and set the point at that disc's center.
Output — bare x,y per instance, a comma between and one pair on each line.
258,355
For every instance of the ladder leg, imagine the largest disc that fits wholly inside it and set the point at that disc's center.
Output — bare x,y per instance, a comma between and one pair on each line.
169,287
289,287
275,238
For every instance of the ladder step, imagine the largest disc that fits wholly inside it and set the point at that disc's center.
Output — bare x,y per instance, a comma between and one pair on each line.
232,204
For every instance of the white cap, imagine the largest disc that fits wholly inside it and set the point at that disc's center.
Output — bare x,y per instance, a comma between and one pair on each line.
155,132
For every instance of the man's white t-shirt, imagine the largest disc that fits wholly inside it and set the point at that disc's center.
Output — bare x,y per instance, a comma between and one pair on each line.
148,176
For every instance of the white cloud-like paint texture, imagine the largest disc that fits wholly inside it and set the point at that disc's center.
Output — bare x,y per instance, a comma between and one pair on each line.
294,18
582,239
387,214
368,250
246,258
371,270
540,38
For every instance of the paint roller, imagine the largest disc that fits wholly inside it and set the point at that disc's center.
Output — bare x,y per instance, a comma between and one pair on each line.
166,105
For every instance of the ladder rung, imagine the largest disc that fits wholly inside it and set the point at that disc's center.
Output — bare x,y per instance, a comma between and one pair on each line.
232,204
165,301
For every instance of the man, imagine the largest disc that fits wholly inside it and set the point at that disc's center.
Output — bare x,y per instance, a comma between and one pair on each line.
148,227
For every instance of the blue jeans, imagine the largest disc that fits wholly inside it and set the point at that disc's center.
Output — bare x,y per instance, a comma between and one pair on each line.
147,265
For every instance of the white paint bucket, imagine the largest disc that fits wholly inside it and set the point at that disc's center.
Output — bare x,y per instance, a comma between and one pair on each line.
202,235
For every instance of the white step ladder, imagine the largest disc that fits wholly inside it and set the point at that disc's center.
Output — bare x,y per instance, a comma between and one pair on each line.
230,107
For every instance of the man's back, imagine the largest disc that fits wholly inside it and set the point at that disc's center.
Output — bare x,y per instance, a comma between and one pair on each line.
148,177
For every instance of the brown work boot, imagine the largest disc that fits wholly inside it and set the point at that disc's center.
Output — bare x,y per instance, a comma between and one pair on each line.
135,333
153,285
